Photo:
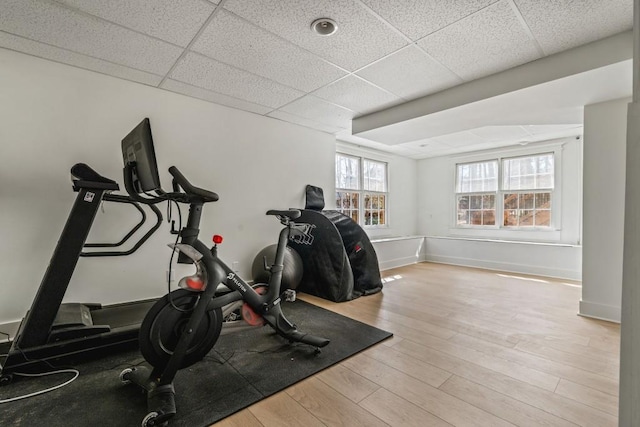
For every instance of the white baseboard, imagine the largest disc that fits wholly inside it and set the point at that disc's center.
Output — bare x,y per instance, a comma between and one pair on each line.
594,310
509,267
398,262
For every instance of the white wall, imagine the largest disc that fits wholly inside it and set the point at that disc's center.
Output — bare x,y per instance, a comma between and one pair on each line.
605,136
396,252
552,260
629,413
52,116
557,252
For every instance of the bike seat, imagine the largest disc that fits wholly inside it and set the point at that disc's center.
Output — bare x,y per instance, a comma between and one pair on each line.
85,177
291,213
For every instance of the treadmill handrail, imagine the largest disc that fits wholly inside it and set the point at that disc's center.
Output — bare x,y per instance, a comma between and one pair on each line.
125,199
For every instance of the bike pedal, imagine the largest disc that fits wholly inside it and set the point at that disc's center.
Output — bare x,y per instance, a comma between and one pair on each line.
290,295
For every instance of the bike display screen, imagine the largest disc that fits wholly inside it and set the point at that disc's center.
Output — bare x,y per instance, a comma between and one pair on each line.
137,147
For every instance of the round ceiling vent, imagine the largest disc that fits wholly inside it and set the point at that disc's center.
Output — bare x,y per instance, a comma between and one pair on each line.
324,26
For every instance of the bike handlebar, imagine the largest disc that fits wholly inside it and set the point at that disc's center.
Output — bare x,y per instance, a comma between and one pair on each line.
206,195
191,194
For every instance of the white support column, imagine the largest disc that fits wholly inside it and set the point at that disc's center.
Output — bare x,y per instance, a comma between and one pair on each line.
630,331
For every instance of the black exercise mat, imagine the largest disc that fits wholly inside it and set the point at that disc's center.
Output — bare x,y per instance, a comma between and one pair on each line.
242,369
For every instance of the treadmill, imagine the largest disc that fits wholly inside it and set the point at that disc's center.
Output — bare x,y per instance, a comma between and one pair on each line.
54,330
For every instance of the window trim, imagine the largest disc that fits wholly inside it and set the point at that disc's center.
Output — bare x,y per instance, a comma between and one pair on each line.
361,191
551,232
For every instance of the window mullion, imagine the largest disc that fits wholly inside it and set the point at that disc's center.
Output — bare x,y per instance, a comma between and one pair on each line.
500,196
361,208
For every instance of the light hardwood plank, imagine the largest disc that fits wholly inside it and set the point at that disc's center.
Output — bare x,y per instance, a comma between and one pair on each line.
243,418
594,398
280,410
470,347
444,406
545,400
351,385
573,348
605,368
609,343
329,407
418,369
605,384
506,367
503,326
396,411
501,405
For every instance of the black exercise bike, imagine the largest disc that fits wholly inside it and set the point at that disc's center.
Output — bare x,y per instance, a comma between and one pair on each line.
183,326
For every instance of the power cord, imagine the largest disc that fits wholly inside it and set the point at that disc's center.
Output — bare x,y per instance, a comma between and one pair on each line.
42,374
37,393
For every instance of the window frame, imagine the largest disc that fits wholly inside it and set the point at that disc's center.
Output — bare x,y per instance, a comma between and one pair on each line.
362,192
551,232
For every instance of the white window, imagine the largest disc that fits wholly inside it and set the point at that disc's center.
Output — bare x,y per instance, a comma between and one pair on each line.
476,186
517,189
361,189
527,184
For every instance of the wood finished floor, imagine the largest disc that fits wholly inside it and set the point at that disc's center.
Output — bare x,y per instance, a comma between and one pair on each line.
470,348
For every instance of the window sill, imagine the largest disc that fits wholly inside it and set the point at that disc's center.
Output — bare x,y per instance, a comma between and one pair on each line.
519,242
375,227
394,238
543,235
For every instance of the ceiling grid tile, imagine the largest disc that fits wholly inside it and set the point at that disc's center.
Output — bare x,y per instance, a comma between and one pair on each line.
357,95
484,43
42,21
174,21
234,41
53,53
419,18
303,121
361,38
262,57
562,25
217,98
201,71
320,110
409,73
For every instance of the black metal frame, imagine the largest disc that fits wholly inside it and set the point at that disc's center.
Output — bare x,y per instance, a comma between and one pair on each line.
39,337
158,381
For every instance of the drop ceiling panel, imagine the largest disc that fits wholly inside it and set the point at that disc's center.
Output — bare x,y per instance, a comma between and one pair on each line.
200,71
423,148
261,57
42,50
293,118
174,21
357,95
428,144
218,98
459,139
543,129
320,110
489,41
562,25
235,41
498,133
409,73
418,18
43,21
361,37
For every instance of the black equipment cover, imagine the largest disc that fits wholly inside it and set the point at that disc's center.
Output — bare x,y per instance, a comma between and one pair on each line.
339,260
